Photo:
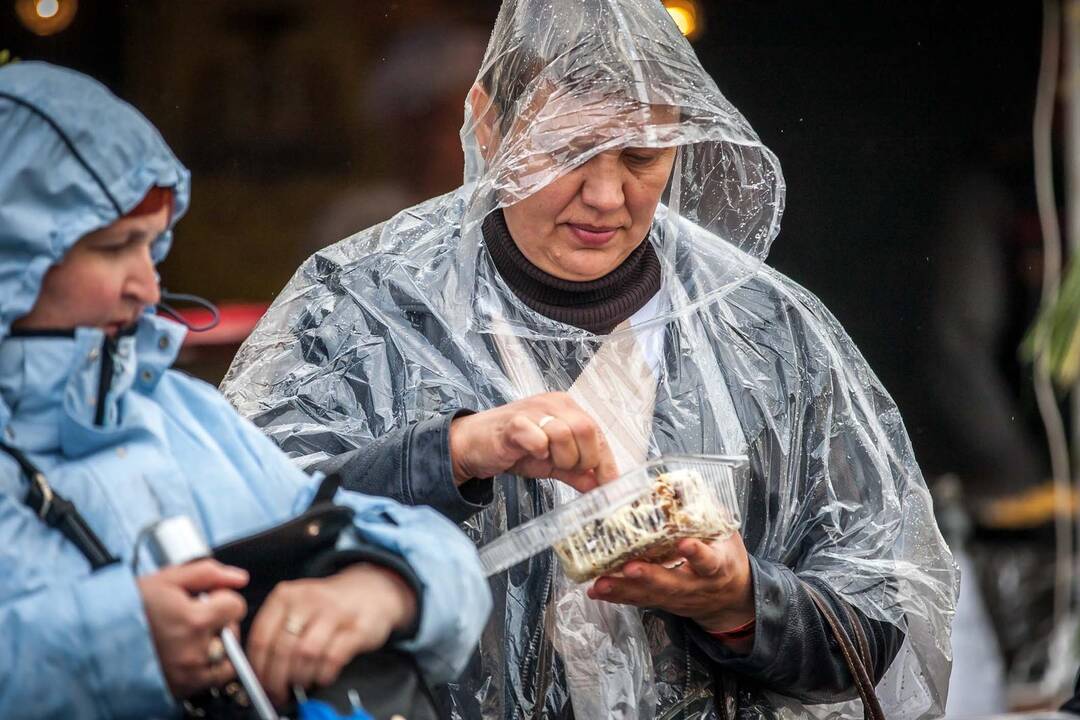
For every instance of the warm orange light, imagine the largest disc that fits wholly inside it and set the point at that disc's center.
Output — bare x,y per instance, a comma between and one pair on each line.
46,17
687,16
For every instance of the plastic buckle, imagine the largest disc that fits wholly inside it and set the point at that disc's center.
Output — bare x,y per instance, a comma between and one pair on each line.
46,495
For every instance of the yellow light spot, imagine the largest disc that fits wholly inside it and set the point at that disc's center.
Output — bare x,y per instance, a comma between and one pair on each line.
687,16
47,8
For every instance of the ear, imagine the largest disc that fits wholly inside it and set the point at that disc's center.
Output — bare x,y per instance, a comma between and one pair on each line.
484,116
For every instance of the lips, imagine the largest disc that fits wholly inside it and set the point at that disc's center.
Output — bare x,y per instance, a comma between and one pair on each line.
593,235
116,326
125,322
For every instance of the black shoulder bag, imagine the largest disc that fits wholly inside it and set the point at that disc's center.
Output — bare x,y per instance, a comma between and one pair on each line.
388,682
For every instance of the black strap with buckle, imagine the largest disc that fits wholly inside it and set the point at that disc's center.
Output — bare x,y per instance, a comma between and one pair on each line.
60,513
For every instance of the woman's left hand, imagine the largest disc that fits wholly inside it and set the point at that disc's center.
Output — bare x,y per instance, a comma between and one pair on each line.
308,630
713,587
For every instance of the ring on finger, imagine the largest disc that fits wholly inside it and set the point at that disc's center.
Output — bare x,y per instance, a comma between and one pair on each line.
215,652
294,624
544,421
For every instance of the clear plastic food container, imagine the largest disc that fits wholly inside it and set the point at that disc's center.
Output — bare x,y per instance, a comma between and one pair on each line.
643,514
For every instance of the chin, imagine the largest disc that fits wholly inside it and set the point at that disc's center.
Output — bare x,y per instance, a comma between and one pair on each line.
585,274
594,266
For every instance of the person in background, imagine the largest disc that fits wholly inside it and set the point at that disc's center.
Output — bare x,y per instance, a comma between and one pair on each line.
412,103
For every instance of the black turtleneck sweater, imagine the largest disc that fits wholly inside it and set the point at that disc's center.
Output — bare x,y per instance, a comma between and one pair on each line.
596,305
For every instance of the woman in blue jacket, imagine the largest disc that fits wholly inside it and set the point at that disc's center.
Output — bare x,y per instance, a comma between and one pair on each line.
88,194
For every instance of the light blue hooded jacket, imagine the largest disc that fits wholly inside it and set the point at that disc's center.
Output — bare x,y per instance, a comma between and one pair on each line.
142,443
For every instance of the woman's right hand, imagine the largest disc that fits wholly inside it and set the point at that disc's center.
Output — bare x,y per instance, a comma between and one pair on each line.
547,435
185,626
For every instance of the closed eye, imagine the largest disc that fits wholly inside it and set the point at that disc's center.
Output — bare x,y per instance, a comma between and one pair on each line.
642,157
119,245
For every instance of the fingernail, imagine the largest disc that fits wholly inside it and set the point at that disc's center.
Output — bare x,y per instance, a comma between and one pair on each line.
633,572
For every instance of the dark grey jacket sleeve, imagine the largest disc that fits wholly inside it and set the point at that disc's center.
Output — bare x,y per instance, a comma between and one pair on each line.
412,465
794,653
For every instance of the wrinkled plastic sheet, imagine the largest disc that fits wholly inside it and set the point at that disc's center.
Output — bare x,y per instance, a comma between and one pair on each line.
409,319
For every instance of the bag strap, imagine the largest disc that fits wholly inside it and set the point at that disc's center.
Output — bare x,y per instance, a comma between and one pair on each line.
326,491
861,643
59,513
856,659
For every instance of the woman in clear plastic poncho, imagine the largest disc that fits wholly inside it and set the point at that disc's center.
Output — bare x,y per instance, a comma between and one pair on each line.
612,225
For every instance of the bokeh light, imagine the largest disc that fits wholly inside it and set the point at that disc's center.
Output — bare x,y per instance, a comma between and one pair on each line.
688,16
47,8
46,17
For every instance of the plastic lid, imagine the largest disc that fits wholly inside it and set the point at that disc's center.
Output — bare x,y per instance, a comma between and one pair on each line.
521,543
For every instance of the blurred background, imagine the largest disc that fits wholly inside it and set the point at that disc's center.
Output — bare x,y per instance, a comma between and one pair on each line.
905,131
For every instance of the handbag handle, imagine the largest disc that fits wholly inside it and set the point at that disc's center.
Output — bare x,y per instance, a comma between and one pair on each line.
856,658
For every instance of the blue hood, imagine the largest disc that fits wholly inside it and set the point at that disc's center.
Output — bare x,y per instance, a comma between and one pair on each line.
73,158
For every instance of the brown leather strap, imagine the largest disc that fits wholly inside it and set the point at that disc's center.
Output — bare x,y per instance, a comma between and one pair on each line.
860,636
856,659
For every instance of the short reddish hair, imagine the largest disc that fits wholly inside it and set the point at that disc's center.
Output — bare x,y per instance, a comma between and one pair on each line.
156,198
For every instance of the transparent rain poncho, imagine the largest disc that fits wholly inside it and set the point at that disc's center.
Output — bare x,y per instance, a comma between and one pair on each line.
409,320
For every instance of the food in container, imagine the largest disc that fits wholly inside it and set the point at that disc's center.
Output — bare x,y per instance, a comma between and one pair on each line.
641,515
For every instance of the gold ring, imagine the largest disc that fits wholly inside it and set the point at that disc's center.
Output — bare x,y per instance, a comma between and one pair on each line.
544,421
294,624
215,653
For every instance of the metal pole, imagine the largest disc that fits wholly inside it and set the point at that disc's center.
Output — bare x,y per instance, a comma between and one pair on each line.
1070,94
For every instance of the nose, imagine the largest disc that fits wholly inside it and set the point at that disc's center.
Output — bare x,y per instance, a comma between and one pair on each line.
602,184
141,283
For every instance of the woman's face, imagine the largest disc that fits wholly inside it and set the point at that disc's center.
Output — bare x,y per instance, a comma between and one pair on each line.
105,280
583,225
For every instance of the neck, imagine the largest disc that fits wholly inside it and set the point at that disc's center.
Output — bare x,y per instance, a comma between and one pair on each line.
597,305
